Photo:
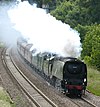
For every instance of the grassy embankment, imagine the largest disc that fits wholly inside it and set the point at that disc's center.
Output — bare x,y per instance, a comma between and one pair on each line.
5,100
93,81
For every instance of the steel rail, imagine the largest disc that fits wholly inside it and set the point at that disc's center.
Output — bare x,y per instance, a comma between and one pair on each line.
40,92
93,105
9,59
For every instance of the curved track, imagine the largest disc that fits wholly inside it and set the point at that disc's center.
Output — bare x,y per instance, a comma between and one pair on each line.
33,93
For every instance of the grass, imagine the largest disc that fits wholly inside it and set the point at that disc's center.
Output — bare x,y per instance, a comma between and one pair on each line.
5,100
93,81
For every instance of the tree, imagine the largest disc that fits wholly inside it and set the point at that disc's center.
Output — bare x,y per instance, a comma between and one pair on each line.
91,46
74,12
62,12
82,30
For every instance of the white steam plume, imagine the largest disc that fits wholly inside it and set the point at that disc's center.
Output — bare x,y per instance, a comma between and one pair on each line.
44,31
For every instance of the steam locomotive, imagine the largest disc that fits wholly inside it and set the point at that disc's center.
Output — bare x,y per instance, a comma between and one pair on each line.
67,72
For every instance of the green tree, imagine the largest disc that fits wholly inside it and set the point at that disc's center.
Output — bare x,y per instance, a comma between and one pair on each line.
62,12
82,30
91,46
74,12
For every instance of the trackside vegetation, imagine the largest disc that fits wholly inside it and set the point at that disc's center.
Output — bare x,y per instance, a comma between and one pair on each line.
93,81
91,46
5,100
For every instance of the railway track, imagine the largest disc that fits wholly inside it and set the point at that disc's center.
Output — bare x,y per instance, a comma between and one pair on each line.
33,93
91,104
82,102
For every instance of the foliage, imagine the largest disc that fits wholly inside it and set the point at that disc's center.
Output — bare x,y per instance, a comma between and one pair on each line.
41,2
91,46
82,30
5,100
61,12
74,12
93,81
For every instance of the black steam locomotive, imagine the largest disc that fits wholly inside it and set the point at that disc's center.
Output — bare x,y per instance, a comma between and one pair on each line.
74,76
70,73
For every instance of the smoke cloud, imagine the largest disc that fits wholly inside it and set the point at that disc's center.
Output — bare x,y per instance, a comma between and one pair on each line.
44,31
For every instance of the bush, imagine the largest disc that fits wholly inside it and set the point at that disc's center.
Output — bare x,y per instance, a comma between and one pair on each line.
88,60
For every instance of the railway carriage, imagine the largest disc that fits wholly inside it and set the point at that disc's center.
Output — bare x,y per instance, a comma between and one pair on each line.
28,54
